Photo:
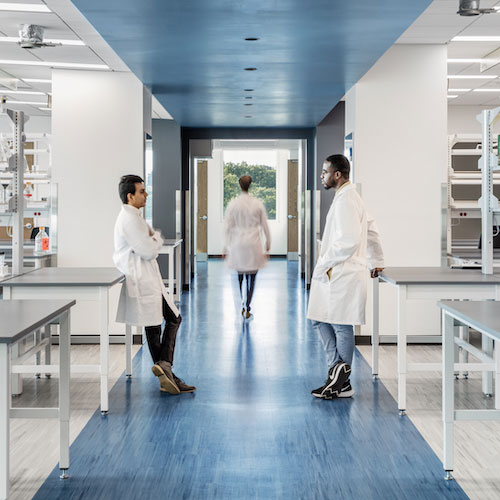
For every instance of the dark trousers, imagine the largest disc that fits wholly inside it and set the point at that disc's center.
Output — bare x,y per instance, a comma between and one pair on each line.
250,282
161,346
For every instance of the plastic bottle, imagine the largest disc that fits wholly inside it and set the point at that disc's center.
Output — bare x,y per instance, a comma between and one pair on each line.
28,191
41,241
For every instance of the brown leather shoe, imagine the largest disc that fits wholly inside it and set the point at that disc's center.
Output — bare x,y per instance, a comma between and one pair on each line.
183,387
167,382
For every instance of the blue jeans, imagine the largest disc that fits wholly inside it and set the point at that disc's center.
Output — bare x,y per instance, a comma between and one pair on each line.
338,342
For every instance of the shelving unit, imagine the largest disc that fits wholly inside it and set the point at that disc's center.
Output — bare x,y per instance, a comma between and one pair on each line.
462,209
29,163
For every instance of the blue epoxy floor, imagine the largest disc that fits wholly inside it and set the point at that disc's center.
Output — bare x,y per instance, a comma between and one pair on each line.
252,430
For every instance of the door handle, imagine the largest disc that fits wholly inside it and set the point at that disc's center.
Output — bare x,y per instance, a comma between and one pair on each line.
203,217
292,217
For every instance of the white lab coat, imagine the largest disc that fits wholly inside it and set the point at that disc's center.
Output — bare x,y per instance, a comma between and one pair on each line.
350,242
244,222
135,256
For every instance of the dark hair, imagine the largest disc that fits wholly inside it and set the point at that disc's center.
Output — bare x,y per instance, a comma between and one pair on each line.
340,164
245,181
127,185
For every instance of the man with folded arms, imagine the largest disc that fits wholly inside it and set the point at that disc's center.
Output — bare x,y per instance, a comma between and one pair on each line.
144,301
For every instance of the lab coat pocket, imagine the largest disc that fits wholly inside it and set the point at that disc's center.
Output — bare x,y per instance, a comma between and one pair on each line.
335,273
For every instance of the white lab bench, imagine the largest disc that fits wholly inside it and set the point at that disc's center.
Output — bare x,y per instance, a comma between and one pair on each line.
81,284
485,318
172,248
19,319
424,283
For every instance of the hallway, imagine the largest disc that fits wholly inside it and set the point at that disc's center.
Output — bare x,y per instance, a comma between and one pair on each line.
252,429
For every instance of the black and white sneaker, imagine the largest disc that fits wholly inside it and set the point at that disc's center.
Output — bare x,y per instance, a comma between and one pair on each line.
347,391
319,392
337,377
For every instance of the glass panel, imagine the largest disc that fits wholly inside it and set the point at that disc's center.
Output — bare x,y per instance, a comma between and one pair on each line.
148,174
261,167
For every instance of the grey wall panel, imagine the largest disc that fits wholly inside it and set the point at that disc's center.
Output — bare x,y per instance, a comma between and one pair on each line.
166,178
329,140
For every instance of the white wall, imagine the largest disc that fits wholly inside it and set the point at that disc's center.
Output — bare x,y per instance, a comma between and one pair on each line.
278,228
400,158
462,119
97,136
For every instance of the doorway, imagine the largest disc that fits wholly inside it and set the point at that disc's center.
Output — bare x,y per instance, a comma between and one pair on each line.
275,167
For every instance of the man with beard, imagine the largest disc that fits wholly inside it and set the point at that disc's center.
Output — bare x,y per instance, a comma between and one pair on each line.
338,286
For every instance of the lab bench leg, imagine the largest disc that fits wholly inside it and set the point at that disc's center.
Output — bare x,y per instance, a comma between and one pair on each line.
104,337
375,326
402,349
64,393
5,395
448,393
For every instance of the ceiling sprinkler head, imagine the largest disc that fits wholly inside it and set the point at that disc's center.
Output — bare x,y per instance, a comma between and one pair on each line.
471,8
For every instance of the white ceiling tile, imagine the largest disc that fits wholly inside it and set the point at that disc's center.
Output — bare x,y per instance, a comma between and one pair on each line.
471,49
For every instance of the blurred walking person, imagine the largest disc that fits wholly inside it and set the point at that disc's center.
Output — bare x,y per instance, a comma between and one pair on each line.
245,221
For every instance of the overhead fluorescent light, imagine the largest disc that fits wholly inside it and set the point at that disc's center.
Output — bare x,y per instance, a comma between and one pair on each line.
486,90
45,109
464,60
452,96
13,39
466,77
30,103
483,38
24,7
8,80
459,90
27,92
54,64
36,80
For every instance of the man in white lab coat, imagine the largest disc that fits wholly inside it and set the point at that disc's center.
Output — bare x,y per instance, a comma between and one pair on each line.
338,287
244,222
144,301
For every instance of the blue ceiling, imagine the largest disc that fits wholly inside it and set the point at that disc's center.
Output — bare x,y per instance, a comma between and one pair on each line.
192,53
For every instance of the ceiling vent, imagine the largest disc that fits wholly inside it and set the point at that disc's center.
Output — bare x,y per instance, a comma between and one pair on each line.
31,37
471,8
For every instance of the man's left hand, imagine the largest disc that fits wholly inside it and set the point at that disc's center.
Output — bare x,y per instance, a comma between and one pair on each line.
375,272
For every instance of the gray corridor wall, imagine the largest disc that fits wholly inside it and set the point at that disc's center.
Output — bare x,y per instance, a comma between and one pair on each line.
166,178
329,140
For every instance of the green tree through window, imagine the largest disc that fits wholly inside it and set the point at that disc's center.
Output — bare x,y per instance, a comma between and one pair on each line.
263,184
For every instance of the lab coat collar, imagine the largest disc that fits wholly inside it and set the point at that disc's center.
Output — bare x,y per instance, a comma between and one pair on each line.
132,210
345,188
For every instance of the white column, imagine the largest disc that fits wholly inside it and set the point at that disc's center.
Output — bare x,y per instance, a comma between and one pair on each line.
97,136
397,114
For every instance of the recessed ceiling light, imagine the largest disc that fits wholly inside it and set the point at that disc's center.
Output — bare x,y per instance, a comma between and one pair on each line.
13,39
250,69
36,80
26,92
476,39
251,39
25,7
486,90
248,90
30,103
458,90
452,96
470,77
53,64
